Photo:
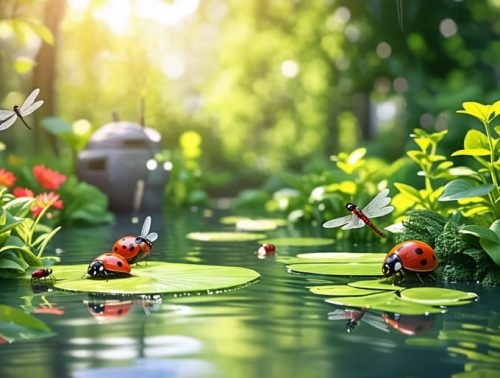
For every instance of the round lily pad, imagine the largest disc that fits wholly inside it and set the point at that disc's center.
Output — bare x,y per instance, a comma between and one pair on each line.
341,291
256,225
385,301
298,242
232,219
437,296
224,236
156,278
378,284
338,257
348,269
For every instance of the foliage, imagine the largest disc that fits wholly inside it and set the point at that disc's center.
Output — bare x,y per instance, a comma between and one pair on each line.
185,182
22,238
460,257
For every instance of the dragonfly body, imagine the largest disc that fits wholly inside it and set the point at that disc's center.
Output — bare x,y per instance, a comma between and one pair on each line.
356,211
8,117
377,207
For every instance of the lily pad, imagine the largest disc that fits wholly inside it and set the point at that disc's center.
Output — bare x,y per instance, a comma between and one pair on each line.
378,284
16,325
157,278
341,291
343,257
437,296
256,225
224,236
232,219
347,269
298,242
385,301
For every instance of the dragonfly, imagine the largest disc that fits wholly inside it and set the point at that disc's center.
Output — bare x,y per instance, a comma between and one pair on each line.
8,117
377,207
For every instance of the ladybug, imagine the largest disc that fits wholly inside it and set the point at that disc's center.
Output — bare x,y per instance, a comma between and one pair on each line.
266,249
409,324
411,255
136,248
41,273
108,264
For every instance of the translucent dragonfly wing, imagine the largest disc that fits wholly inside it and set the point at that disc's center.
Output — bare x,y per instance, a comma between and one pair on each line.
355,223
4,114
378,206
146,226
337,222
8,123
30,99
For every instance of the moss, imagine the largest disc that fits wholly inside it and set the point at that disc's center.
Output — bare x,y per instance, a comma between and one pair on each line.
423,225
492,278
461,268
449,242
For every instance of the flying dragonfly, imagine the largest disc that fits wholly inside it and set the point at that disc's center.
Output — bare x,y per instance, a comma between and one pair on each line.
377,207
8,117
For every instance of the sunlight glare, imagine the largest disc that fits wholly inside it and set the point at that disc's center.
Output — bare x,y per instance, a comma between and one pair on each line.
164,12
173,66
79,4
289,68
116,14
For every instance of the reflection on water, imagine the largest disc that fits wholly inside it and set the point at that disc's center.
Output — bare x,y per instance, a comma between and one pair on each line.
272,328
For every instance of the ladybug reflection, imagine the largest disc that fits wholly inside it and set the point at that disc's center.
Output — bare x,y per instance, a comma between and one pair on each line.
136,248
107,311
410,325
413,256
354,317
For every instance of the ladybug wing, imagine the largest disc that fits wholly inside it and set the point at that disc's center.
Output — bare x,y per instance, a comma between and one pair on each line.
127,247
152,237
115,263
146,226
418,259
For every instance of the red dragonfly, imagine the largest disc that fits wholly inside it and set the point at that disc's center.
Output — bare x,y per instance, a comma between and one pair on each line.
376,208
8,117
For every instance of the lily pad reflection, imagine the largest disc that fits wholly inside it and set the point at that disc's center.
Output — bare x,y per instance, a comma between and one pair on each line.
224,236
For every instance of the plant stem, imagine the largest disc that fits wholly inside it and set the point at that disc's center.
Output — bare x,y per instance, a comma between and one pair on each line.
492,159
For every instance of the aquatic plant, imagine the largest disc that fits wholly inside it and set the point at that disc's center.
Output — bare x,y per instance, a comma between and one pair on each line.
22,238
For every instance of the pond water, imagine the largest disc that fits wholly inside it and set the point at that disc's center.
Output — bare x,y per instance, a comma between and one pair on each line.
272,328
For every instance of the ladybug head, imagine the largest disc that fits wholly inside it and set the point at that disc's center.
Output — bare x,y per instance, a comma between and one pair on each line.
392,265
143,242
95,268
350,206
49,271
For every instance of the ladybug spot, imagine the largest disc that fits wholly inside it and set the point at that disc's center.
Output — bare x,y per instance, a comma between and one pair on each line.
419,251
423,262
124,246
116,249
119,263
434,257
119,312
131,249
131,246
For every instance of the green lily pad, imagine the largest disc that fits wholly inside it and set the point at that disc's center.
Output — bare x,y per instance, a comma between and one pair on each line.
348,269
341,257
378,284
256,225
298,242
385,301
232,219
341,291
156,278
224,236
16,325
437,296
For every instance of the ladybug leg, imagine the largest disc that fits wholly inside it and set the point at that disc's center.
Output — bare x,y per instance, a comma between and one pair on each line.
420,278
432,276
106,275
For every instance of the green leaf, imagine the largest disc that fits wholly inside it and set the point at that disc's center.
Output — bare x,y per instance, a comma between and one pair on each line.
341,291
437,296
477,110
491,247
24,65
41,31
460,189
19,207
298,242
385,301
481,233
6,263
224,236
157,278
471,152
46,241
462,171
16,325
409,192
347,269
11,226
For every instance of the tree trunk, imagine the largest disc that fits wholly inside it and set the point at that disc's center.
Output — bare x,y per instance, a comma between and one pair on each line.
45,74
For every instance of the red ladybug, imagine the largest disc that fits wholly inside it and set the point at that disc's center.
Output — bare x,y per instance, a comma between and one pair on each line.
108,264
266,249
411,255
136,248
42,273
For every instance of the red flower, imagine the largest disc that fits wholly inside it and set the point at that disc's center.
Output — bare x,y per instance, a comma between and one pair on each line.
22,192
43,199
48,178
7,178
